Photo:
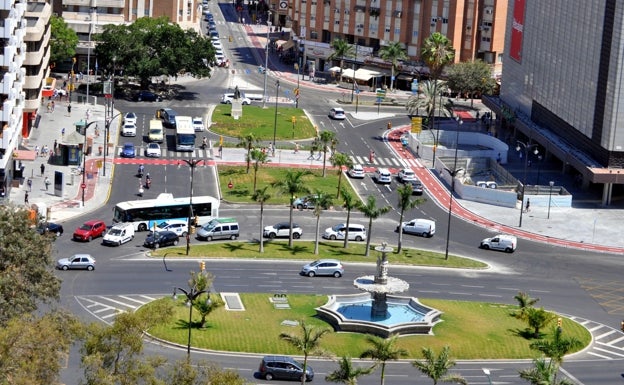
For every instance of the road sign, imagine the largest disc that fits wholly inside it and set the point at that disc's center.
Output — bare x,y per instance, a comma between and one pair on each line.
416,124
99,163
83,186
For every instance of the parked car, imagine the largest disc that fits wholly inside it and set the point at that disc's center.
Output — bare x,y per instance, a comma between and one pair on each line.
76,261
406,175
160,239
502,242
50,228
153,150
337,113
180,227
198,124
331,267
130,118
417,187
382,176
356,171
282,229
356,232
284,368
90,230
127,151
147,96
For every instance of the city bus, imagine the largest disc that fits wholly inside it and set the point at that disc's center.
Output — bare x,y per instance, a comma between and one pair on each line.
185,134
147,213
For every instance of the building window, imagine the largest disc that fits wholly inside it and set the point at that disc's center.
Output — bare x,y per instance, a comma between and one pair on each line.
388,29
486,39
314,35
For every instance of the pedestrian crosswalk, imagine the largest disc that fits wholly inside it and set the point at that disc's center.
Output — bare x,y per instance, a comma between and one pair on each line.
384,162
167,153
105,308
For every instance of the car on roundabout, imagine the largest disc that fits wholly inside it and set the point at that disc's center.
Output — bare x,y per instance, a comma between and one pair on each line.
281,230
50,228
328,267
153,150
161,239
337,113
198,124
76,262
89,230
178,226
147,96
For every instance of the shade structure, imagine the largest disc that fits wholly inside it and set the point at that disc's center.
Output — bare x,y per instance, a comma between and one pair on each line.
347,73
335,69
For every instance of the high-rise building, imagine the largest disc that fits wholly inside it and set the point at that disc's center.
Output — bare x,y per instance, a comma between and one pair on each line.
562,85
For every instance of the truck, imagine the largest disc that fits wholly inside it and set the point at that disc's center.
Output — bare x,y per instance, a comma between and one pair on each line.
185,134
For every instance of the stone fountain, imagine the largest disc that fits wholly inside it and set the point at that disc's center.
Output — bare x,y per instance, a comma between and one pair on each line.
379,311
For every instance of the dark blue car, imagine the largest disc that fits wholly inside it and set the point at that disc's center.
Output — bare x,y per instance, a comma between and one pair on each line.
128,150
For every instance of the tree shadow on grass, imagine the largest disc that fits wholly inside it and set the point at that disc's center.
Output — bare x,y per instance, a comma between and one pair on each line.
233,247
239,192
527,334
295,249
232,171
184,325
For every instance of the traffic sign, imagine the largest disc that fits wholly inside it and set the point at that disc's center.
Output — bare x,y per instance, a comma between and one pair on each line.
83,186
416,124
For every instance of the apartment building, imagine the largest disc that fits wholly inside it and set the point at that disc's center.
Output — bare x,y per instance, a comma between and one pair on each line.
562,86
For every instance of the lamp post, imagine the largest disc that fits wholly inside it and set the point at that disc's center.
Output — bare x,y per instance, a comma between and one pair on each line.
277,84
539,167
93,9
527,148
266,59
551,184
453,175
297,67
192,163
487,374
84,162
191,295
353,68
106,131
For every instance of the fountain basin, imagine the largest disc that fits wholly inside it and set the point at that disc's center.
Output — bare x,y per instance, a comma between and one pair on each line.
405,315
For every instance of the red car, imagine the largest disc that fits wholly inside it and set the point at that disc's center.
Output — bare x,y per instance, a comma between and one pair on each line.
90,230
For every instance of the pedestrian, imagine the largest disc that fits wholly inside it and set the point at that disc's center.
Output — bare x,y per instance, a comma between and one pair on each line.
296,148
46,182
88,114
42,169
49,106
63,132
53,106
55,145
69,109
26,198
29,184
220,151
311,153
37,151
528,205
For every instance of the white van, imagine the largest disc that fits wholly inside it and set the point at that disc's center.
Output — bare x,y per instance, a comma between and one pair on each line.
503,242
156,132
219,228
119,234
422,227
356,232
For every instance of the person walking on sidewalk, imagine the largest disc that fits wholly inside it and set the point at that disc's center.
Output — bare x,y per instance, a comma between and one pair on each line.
528,206
42,169
26,198
69,109
29,184
46,182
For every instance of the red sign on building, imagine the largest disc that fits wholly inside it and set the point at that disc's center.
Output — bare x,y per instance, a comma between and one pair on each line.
517,28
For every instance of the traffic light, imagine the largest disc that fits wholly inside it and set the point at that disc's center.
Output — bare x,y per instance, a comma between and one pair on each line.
202,265
559,322
389,125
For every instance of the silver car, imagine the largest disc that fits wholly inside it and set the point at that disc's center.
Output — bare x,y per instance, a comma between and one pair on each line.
331,267
77,261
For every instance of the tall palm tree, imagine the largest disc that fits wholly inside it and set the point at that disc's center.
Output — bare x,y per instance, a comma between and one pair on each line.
247,142
372,212
261,196
426,99
321,201
543,373
382,351
346,372
405,203
292,185
524,303
308,342
557,346
340,160
437,367
350,203
538,318
326,139
393,52
341,49
437,52
258,157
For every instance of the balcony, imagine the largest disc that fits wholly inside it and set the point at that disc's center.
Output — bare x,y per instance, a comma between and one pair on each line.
359,8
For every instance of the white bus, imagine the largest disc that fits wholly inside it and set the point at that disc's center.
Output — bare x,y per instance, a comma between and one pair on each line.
147,213
185,134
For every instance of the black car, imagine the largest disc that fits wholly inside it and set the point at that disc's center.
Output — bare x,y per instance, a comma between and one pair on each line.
417,187
283,368
50,228
147,96
160,239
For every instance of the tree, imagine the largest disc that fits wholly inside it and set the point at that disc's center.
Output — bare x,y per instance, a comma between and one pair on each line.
471,77
261,196
382,351
405,203
437,367
247,142
347,373
258,157
63,40
341,49
350,203
543,373
557,346
292,185
427,98
26,268
340,160
184,373
325,140
393,52
33,348
321,201
525,302
537,319
204,304
308,342
372,212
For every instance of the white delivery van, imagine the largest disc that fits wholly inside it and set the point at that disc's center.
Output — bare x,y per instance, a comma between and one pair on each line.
119,234
219,228
423,227
503,242
156,132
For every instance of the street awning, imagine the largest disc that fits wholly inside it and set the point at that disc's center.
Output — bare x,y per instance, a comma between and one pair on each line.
366,75
347,73
288,45
405,77
24,155
335,69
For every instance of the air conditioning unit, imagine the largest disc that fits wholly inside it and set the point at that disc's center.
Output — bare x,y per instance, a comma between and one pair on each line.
489,11
359,30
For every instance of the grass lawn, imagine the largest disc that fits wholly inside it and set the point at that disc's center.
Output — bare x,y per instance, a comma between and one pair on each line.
261,123
243,183
473,330
304,251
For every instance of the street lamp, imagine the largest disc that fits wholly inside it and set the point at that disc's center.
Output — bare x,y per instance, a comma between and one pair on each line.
353,68
93,9
487,374
539,167
277,84
527,148
297,67
191,295
551,183
266,59
84,162
192,163
106,131
453,175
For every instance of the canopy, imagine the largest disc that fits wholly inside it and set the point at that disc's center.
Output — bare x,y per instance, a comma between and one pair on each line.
366,75
335,69
348,73
24,155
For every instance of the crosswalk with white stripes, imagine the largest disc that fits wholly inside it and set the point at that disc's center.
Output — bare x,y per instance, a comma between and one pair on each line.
173,154
385,162
105,308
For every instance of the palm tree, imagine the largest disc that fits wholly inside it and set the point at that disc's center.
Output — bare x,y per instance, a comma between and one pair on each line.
543,373
261,196
372,212
437,367
307,343
393,52
405,203
349,202
383,350
426,99
321,201
247,142
524,303
340,160
258,157
326,139
341,49
538,319
346,372
437,52
292,185
558,346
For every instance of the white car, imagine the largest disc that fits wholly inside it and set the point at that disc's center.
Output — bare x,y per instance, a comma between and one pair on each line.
129,129
228,97
356,171
153,150
217,44
407,175
337,113
130,118
177,226
198,124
